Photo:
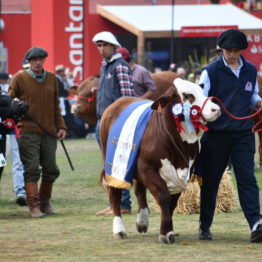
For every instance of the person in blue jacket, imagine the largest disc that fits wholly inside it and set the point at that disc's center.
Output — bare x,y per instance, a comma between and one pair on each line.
115,82
233,80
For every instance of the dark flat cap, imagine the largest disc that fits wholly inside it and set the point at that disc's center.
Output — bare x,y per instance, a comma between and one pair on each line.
4,76
35,52
232,38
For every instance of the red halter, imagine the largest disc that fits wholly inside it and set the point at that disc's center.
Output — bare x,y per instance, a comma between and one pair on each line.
88,99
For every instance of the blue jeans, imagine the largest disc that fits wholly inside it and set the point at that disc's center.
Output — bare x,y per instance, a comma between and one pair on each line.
125,200
17,166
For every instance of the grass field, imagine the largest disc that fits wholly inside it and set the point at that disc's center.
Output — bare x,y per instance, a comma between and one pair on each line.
77,235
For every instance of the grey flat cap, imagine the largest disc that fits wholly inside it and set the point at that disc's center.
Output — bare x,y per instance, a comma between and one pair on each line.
35,52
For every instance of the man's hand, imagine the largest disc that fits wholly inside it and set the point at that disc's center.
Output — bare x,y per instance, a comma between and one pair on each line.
259,104
61,134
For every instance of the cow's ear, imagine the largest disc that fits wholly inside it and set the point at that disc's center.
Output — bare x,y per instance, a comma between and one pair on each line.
160,103
201,85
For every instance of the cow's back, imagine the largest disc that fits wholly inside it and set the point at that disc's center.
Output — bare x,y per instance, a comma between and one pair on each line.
163,80
110,115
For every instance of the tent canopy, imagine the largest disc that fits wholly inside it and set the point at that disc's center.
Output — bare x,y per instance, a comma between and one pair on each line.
154,21
158,18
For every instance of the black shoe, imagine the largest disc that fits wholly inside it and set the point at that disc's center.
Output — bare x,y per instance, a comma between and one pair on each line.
256,236
21,201
205,234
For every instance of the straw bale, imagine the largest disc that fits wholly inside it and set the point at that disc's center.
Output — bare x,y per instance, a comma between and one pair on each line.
189,201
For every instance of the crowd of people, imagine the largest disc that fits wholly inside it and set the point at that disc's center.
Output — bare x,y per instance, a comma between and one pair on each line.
230,78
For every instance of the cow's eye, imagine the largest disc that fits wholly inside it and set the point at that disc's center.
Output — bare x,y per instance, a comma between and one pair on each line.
188,97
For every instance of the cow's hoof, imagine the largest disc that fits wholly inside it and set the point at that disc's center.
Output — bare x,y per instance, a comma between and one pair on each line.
119,230
142,220
141,228
120,235
169,238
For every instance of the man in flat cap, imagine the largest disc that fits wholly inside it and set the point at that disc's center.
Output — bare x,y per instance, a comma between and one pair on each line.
233,80
39,130
115,82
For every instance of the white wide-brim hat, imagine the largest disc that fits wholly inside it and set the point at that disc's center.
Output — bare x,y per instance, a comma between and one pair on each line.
107,37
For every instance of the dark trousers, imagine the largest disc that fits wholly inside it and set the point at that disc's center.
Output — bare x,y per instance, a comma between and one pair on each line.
38,155
216,149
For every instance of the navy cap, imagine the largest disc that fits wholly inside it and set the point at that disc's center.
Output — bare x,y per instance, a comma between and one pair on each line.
4,76
35,52
232,38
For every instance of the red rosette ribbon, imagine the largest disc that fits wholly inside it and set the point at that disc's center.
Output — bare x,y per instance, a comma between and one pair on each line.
178,124
177,112
195,114
9,123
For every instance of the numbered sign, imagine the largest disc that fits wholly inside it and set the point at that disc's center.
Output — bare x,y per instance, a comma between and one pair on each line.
2,160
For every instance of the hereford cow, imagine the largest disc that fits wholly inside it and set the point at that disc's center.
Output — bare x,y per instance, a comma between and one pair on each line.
166,154
85,105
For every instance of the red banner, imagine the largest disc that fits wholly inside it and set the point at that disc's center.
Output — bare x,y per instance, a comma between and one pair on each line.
204,31
254,51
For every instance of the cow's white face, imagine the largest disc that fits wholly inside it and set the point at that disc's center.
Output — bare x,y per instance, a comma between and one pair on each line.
193,93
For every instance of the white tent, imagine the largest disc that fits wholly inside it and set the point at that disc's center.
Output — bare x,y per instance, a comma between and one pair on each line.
155,21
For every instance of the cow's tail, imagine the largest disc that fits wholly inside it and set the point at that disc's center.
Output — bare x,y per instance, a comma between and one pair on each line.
102,181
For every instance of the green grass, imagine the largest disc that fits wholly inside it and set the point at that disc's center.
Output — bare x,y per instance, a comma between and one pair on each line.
76,234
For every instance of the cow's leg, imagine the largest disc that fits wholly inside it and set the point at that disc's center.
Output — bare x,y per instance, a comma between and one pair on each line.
159,190
142,219
173,203
119,229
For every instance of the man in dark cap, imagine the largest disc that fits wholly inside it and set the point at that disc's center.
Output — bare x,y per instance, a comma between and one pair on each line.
35,52
233,80
39,130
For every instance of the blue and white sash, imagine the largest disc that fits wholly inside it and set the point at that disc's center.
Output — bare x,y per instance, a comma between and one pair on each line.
123,143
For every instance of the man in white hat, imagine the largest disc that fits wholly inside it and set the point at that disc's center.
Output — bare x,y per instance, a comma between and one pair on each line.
115,82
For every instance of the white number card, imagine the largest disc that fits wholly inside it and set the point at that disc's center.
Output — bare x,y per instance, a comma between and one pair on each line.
2,160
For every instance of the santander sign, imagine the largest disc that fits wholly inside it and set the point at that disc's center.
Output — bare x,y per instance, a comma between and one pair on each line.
75,29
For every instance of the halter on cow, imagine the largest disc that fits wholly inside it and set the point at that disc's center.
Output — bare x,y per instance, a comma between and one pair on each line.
165,156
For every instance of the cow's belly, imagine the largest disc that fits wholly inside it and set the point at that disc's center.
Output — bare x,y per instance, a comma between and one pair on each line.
176,179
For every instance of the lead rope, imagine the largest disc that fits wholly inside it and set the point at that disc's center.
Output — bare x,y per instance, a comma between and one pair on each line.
235,117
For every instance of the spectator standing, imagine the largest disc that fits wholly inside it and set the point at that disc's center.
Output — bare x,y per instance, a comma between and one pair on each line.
63,92
115,82
233,80
17,166
181,72
143,83
39,130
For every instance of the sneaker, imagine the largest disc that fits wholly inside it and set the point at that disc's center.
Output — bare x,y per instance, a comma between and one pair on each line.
256,236
205,234
21,201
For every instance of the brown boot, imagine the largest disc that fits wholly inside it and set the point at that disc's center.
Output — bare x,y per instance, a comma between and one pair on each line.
33,199
45,195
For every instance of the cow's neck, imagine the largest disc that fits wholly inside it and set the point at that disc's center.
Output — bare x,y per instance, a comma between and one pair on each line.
189,138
